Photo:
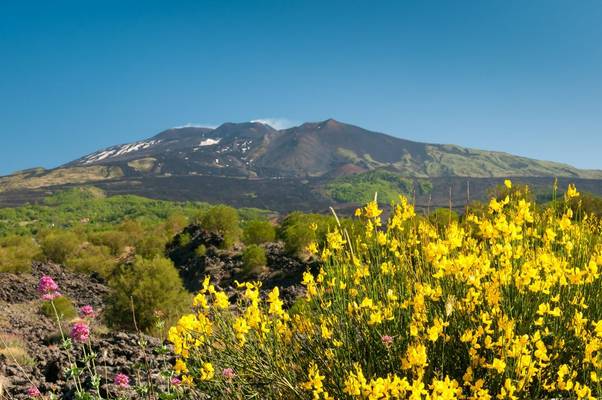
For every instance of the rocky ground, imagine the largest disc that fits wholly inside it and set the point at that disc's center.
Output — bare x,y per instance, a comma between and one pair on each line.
30,342
226,267
34,356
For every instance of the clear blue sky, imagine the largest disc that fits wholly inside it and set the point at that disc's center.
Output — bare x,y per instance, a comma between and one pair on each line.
518,76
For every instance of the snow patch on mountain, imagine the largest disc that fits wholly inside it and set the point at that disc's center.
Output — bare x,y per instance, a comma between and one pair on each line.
119,151
209,142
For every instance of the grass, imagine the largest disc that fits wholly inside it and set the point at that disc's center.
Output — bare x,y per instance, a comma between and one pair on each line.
14,349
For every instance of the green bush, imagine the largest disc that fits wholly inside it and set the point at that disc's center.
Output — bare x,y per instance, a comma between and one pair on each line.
225,221
17,253
258,232
91,258
442,217
115,240
201,251
57,245
152,245
64,307
253,259
153,287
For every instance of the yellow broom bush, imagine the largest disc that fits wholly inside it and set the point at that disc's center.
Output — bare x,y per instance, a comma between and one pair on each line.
506,305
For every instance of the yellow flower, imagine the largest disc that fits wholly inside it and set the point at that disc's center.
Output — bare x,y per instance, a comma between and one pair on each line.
187,380
571,191
312,248
325,331
207,371
314,382
498,365
508,183
180,367
371,210
221,300
335,240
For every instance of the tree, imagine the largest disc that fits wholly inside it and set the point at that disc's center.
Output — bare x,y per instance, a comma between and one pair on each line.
153,287
225,221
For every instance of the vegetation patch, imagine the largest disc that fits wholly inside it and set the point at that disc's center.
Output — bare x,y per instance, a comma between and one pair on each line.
360,188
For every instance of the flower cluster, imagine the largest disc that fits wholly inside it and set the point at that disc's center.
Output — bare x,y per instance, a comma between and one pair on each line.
80,332
501,305
47,288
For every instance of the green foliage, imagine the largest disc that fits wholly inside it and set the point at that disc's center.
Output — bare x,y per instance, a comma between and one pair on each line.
360,188
298,230
258,232
89,207
253,259
91,258
115,240
442,217
153,287
585,204
201,251
17,253
57,245
223,220
64,307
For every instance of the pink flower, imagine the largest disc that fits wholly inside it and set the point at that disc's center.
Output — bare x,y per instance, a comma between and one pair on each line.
87,311
50,296
33,392
176,381
48,288
122,380
387,340
80,332
228,373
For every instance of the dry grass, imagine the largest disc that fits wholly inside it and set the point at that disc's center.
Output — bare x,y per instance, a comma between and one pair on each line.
15,350
58,177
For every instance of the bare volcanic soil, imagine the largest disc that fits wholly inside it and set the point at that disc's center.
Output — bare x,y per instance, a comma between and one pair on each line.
24,328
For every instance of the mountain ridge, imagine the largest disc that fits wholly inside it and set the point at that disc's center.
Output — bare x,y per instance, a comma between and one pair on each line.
314,149
254,164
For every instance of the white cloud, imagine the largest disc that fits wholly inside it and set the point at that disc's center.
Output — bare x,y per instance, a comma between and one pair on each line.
194,125
277,123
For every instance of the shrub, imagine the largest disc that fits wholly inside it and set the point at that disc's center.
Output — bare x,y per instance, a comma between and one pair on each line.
153,286
298,230
443,217
201,250
503,306
57,246
113,239
17,253
64,307
258,232
225,221
253,259
91,258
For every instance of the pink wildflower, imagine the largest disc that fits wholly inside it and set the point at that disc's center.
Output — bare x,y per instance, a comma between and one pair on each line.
48,288
387,340
33,392
50,296
87,311
122,380
80,332
176,381
228,373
